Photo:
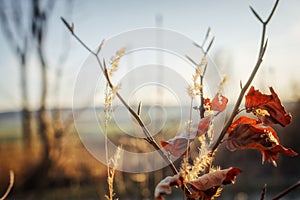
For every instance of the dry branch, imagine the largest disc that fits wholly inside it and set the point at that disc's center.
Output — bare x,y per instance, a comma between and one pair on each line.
10,186
286,191
262,50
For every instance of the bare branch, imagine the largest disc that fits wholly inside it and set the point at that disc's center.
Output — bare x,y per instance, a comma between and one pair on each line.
149,137
256,15
201,108
71,28
235,110
262,50
103,67
204,70
204,41
209,46
191,60
100,47
264,23
139,110
272,12
286,191
206,36
263,192
197,45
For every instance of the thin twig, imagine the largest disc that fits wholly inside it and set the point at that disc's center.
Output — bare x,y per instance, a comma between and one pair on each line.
206,36
263,192
10,186
209,46
272,12
235,110
191,60
139,110
286,191
149,137
201,96
201,107
262,50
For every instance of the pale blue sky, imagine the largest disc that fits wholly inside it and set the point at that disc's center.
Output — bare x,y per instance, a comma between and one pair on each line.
236,30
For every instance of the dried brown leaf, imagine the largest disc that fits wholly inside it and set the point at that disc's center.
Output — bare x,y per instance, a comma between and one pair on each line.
165,186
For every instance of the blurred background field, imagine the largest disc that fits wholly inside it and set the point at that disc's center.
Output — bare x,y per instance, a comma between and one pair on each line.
76,174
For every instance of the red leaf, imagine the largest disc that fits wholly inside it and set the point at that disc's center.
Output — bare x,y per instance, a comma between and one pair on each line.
214,179
231,175
218,103
164,186
275,112
179,144
176,146
242,120
248,133
271,154
203,125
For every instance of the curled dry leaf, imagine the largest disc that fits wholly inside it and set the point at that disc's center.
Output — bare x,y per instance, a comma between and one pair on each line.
179,144
218,103
249,133
165,186
242,120
207,183
271,154
267,108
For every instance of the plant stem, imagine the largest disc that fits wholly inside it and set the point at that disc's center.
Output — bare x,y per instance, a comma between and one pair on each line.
235,110
262,49
149,137
201,108
263,192
286,191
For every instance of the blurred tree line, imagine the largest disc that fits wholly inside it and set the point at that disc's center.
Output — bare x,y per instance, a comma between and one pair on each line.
25,26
